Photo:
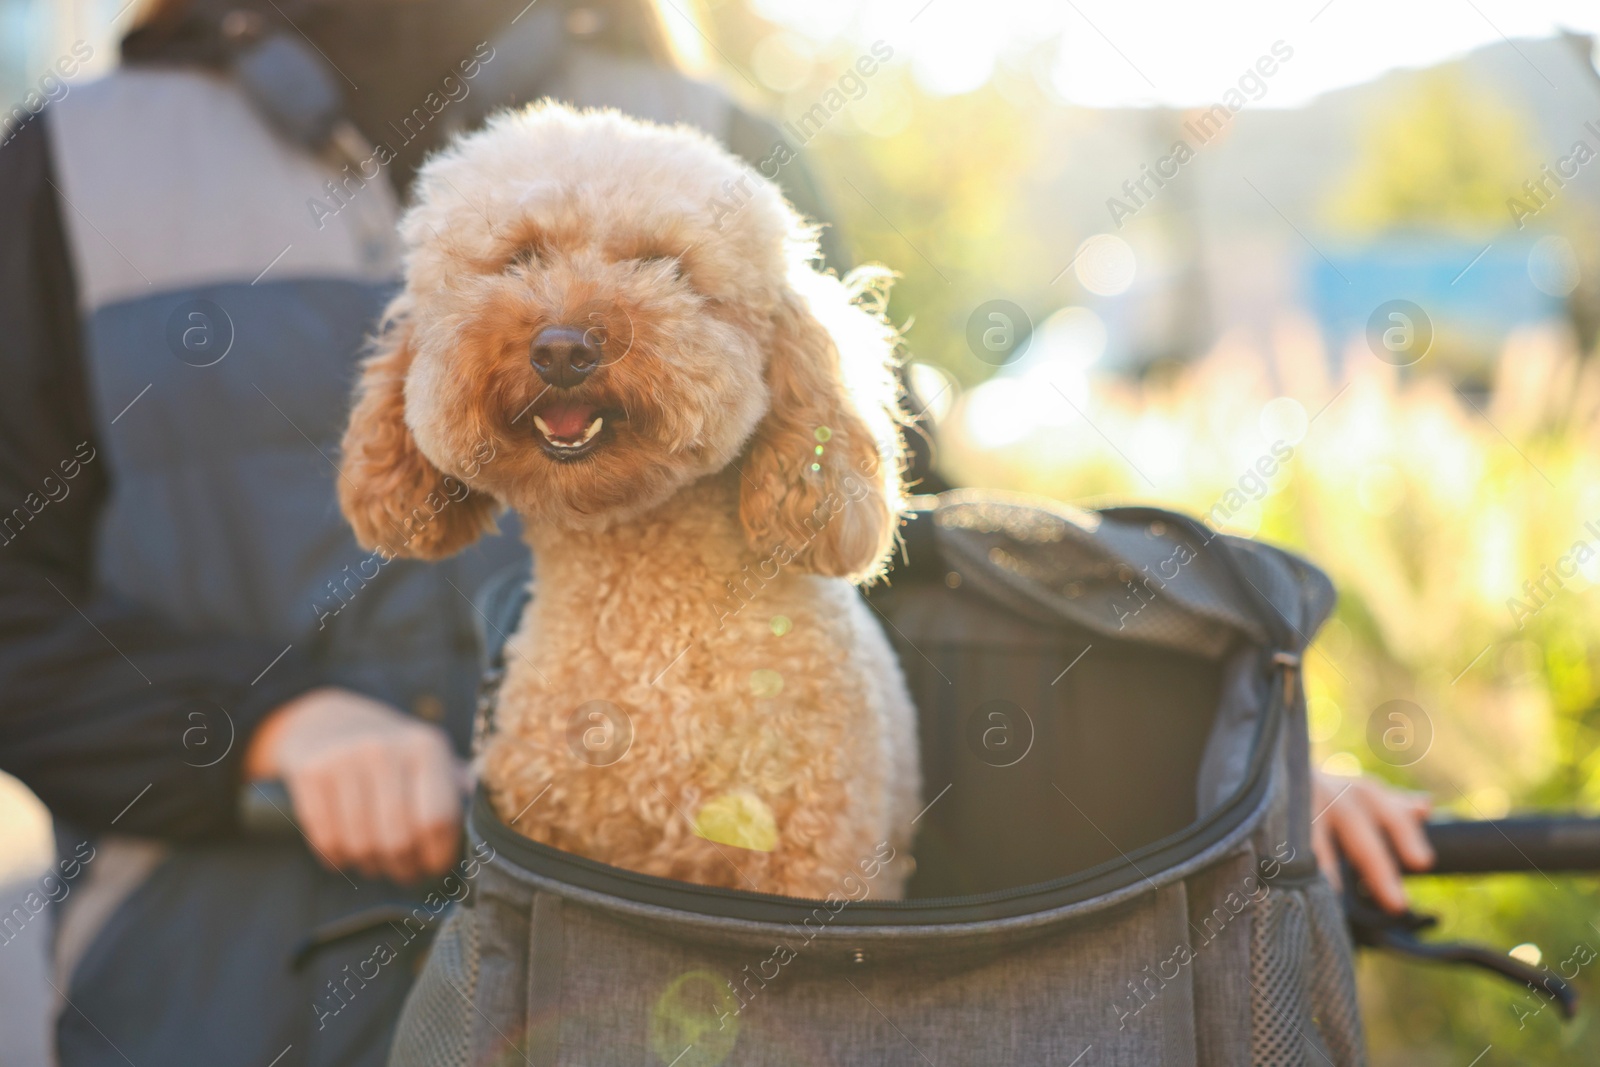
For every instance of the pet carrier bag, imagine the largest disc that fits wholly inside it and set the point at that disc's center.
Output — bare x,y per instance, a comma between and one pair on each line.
1113,863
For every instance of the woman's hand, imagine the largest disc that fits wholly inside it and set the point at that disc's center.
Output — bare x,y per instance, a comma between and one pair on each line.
1371,824
372,788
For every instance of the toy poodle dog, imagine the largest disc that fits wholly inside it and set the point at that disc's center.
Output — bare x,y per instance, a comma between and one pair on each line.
614,330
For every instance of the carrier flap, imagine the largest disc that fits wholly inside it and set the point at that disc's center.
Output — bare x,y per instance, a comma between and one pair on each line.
1056,564
1139,574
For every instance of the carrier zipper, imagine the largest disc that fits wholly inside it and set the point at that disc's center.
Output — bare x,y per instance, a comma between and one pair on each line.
762,907
1289,664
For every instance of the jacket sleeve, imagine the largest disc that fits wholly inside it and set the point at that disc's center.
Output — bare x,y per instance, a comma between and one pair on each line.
108,713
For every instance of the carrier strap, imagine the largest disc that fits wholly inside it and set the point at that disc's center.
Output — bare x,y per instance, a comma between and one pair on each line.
546,965
1178,1046
497,610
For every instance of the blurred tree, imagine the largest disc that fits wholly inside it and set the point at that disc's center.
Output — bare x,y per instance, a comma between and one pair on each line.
1441,156
938,200
934,187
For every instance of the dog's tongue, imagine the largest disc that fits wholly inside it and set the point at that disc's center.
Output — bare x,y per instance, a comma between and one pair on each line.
567,420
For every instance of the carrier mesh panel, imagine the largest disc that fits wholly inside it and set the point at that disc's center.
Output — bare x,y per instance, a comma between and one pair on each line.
1280,938
436,1027
1332,980
1303,1009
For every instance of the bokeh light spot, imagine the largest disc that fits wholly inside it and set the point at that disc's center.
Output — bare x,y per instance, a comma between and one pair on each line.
766,683
1342,764
1325,719
695,1021
783,62
1553,266
1284,419
1105,264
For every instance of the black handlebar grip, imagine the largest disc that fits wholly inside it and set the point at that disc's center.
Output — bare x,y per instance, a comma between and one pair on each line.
1548,845
266,811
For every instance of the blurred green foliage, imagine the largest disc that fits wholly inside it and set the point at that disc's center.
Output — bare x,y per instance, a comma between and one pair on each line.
936,187
1440,156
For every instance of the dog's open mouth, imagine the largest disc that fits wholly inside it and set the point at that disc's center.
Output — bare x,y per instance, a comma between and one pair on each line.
569,430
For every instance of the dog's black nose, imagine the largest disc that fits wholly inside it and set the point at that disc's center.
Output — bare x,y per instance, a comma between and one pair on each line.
565,355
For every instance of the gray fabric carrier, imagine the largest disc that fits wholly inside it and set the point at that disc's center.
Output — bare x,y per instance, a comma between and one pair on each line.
1114,865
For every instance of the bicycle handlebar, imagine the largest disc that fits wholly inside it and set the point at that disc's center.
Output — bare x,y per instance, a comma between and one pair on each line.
1529,843
1549,844
1545,844
266,811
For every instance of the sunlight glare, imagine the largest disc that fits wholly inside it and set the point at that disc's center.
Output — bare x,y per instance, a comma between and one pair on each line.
1104,53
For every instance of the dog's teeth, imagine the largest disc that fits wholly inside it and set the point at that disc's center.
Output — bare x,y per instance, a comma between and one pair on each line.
567,442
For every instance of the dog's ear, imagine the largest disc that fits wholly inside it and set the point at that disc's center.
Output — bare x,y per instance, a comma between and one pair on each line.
821,477
395,499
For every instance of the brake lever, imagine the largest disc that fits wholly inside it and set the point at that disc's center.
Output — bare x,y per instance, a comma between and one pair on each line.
1372,927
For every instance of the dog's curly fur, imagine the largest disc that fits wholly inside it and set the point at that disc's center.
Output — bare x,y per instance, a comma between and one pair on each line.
692,570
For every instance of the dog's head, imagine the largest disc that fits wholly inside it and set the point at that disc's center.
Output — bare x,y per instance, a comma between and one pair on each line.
598,312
